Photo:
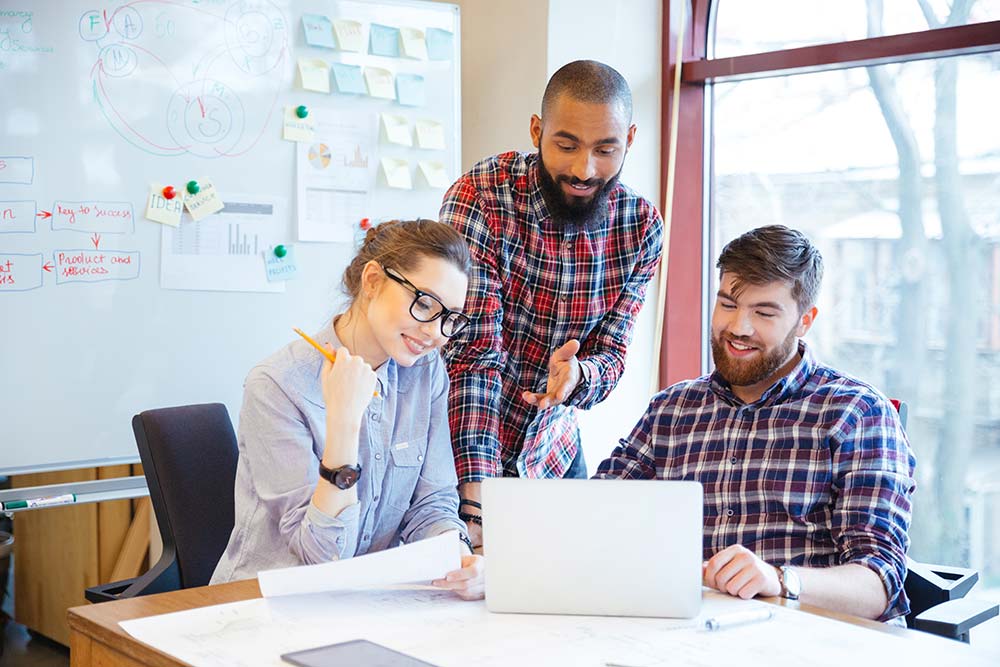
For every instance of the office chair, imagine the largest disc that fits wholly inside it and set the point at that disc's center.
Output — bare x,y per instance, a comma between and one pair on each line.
189,457
937,592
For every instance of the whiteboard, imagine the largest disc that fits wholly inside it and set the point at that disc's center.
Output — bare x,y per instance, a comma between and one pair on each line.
99,105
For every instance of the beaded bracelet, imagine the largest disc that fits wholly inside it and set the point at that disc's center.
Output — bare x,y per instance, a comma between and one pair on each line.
474,518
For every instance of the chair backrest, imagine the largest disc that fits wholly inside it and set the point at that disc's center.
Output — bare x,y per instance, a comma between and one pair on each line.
189,457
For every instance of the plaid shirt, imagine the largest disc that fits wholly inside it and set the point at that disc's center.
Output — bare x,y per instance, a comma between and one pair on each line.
818,472
535,286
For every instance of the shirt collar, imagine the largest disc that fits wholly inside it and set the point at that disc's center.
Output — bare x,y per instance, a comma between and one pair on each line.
790,385
536,202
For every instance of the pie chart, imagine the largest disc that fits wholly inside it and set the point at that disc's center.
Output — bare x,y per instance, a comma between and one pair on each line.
319,156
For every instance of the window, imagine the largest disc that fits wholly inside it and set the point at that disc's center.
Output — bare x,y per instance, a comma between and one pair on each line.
770,25
907,297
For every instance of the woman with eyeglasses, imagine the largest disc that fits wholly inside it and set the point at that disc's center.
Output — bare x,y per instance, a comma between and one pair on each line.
347,458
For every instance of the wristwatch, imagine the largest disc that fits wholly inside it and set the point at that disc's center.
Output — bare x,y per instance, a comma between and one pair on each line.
343,477
791,585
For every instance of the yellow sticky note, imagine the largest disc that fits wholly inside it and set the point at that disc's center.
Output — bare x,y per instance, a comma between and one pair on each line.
295,128
315,74
379,82
349,37
434,173
397,129
163,210
414,44
430,134
397,173
205,203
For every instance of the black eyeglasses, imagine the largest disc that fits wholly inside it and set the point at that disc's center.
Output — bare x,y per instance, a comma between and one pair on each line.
427,307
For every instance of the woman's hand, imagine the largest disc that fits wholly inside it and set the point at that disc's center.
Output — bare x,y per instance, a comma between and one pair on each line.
469,583
348,386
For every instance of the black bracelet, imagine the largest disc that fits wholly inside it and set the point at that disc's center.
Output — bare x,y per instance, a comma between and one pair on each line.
474,518
468,542
472,503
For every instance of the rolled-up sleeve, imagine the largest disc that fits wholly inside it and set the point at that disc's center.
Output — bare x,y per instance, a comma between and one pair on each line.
873,486
434,505
277,446
604,349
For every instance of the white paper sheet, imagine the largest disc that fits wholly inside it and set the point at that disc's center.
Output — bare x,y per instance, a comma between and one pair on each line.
335,174
438,627
225,250
419,562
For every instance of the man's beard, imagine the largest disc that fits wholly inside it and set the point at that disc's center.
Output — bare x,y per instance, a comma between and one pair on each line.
576,213
742,373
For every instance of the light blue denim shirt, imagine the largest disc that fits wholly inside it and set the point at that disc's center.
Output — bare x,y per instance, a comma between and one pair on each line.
407,489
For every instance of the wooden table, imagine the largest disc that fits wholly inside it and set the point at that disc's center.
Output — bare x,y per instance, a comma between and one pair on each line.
96,639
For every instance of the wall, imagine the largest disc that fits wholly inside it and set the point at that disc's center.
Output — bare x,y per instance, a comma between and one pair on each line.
503,74
509,50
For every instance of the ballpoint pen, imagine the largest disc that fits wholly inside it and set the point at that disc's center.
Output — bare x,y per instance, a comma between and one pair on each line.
723,621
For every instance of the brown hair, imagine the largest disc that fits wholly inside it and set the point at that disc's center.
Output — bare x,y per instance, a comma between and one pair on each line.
402,244
771,253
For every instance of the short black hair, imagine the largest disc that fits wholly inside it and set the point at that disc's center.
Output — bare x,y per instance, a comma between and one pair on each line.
589,81
771,253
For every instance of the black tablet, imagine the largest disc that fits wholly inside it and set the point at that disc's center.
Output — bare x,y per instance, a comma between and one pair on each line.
355,653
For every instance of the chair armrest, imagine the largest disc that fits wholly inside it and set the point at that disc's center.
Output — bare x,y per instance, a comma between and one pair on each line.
954,619
107,592
162,577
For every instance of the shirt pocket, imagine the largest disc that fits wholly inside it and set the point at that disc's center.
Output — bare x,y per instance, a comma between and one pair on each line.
404,472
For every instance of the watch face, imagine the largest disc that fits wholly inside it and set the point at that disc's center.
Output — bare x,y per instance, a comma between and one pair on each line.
346,477
792,584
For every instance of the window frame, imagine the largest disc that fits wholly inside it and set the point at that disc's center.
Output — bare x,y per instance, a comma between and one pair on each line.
683,353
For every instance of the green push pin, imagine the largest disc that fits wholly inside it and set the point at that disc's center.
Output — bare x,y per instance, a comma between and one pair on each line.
301,111
280,251
193,188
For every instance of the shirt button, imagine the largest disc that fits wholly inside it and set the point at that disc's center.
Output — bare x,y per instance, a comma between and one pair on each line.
375,499
733,460
375,417
420,457
367,537
378,457
564,297
728,513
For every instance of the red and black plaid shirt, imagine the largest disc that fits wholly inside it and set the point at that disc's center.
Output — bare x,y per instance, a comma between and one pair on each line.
535,286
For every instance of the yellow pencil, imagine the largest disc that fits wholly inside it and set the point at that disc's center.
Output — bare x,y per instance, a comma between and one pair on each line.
322,350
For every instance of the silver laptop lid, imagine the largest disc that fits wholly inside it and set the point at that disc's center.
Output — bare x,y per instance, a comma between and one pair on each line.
593,547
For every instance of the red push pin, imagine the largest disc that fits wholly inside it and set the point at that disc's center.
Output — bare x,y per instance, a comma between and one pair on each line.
366,224
169,192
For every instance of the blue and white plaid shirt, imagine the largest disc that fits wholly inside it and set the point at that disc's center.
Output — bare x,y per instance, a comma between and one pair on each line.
817,472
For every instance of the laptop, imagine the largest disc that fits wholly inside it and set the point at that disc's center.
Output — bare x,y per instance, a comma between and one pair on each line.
593,547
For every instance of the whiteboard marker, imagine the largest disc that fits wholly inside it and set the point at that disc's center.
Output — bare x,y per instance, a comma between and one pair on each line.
34,503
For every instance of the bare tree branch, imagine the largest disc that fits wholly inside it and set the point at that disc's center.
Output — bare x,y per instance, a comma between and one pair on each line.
929,15
960,11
